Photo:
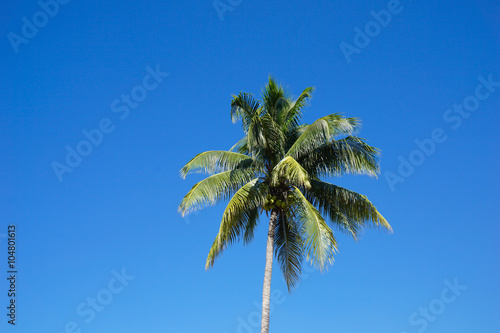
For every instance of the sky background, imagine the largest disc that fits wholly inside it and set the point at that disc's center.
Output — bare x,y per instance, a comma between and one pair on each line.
118,208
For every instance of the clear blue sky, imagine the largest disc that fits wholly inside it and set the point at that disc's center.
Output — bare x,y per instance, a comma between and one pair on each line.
117,208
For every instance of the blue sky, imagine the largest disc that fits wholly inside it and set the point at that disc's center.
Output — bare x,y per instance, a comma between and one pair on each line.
109,229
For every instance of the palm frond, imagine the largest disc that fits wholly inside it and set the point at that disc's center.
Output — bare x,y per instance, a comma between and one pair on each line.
253,220
214,161
321,132
319,243
239,213
244,107
348,210
294,113
212,189
272,95
256,135
314,135
335,158
275,139
290,171
288,249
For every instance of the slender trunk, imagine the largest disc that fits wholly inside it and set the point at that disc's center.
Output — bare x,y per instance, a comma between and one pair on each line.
266,290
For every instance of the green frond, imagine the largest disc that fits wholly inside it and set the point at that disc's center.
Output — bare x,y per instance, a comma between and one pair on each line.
335,158
253,220
319,243
288,249
348,210
239,213
214,161
275,139
290,171
293,134
212,189
321,132
256,135
293,114
244,107
272,94
314,135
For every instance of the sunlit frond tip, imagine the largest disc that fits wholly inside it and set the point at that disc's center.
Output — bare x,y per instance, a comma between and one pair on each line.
214,161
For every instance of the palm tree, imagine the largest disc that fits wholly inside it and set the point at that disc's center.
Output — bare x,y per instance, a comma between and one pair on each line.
276,168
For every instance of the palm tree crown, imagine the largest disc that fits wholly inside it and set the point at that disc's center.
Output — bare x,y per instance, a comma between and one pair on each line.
276,168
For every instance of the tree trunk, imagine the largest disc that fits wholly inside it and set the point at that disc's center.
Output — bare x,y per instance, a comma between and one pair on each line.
266,290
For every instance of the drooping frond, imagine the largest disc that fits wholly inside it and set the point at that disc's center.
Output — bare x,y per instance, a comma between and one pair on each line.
314,135
321,132
340,125
288,249
335,158
290,171
256,136
348,210
239,213
217,187
214,161
319,243
244,107
253,219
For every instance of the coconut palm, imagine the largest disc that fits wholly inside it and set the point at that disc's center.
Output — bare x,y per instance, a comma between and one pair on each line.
276,168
